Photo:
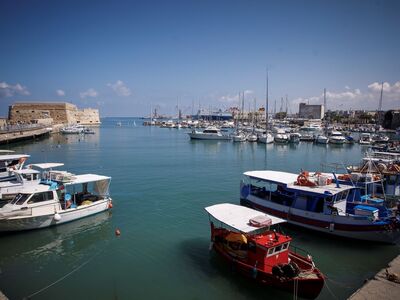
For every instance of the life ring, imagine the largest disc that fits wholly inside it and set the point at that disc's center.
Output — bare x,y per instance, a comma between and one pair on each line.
381,167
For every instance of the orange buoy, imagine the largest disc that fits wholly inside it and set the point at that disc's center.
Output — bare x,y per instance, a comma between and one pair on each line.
117,232
110,205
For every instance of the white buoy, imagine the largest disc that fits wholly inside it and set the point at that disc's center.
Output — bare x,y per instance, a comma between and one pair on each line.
57,217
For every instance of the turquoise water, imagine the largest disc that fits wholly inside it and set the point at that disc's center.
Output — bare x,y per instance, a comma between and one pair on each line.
161,182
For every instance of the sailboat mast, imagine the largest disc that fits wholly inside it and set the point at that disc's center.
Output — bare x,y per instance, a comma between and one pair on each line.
266,106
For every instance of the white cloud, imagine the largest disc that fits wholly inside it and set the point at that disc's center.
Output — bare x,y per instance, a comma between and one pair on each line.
120,88
356,98
235,98
60,93
9,90
89,93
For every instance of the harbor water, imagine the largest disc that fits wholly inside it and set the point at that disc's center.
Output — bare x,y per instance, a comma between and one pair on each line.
161,182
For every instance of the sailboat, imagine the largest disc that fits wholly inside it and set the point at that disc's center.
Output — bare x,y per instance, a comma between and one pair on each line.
322,139
266,138
239,136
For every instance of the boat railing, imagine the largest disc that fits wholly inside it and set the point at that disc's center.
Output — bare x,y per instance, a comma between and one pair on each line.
299,254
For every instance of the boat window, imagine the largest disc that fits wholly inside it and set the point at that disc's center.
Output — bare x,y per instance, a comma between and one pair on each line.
20,199
285,246
278,248
270,251
40,197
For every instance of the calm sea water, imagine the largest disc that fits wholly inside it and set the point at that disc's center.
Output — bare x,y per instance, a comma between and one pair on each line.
161,182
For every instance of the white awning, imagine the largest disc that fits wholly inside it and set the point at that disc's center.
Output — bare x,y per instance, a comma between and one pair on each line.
46,165
13,156
77,179
238,217
273,176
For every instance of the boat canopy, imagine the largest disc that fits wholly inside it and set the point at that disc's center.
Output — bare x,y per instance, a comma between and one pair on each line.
101,183
273,176
6,151
238,217
26,171
45,166
13,156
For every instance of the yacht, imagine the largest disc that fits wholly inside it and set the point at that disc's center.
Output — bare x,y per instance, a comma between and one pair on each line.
281,137
210,133
266,138
322,139
365,138
337,137
294,137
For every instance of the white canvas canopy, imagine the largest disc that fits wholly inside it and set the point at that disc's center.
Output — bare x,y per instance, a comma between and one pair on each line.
101,183
273,176
238,217
45,166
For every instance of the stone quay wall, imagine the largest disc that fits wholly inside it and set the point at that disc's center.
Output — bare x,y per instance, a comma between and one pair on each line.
60,112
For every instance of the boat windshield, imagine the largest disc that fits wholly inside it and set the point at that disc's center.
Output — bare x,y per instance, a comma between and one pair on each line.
20,199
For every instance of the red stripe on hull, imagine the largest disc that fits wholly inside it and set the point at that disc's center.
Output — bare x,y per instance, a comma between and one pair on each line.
318,223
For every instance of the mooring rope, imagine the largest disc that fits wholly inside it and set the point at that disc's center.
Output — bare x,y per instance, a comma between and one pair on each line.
63,277
329,290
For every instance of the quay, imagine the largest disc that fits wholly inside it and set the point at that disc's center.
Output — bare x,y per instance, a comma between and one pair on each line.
383,285
23,133
2,296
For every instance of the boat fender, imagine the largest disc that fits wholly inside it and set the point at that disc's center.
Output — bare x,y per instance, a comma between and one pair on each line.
110,205
57,217
117,232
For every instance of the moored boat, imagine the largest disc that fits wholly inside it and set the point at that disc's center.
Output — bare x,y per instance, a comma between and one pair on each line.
61,197
247,240
313,201
210,133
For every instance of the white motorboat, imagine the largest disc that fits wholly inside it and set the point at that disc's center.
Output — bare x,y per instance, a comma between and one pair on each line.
337,138
24,178
252,137
74,129
61,197
322,139
210,133
365,139
266,138
239,136
281,137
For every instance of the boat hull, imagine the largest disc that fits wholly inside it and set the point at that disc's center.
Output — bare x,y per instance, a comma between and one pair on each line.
27,222
201,136
342,226
308,288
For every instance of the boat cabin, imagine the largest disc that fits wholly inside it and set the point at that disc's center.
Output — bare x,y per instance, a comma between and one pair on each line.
57,191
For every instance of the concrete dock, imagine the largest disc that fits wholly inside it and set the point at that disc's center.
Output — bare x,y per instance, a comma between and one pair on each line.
22,134
382,286
2,296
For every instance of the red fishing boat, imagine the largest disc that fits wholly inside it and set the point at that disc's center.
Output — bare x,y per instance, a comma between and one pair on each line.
246,239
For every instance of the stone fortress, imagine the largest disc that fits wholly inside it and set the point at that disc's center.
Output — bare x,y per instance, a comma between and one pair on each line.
52,113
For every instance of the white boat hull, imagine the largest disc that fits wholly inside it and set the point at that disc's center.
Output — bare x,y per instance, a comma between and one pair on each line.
202,136
28,222
268,139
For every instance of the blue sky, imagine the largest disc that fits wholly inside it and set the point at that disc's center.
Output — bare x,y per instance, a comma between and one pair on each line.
125,57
